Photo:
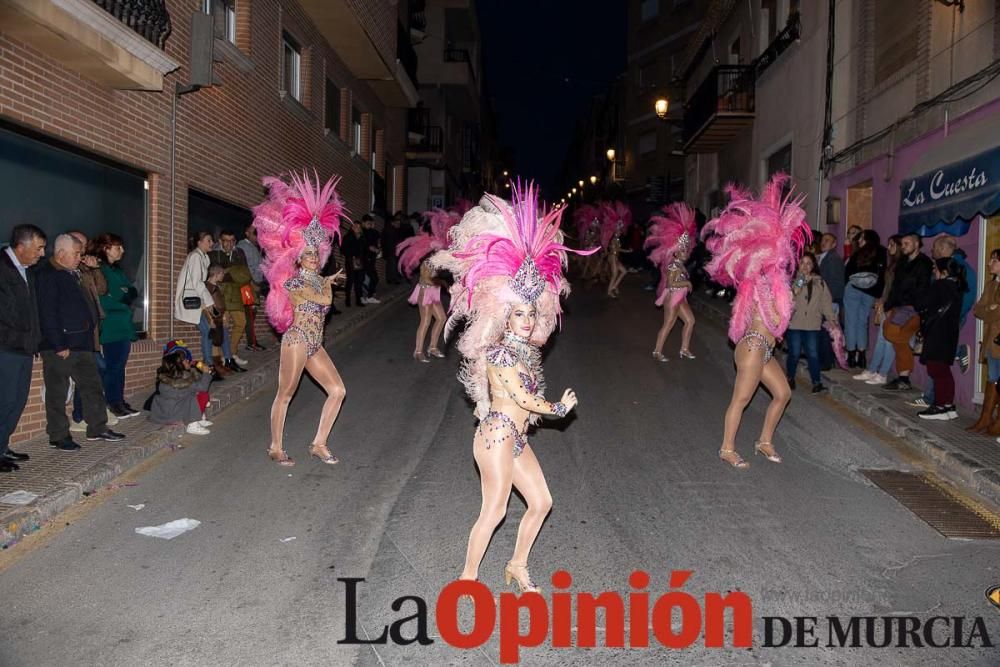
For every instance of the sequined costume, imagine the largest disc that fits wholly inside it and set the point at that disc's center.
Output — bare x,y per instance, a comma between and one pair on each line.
755,340
311,297
524,388
678,284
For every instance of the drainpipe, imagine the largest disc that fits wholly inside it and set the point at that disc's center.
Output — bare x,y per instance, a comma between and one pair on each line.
178,91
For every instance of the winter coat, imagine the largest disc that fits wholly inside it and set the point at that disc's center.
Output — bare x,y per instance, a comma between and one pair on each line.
810,312
237,275
252,254
176,399
191,282
117,325
19,327
988,310
831,268
66,314
939,307
875,264
910,278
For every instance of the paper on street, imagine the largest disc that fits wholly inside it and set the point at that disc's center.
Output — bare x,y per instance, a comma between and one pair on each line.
169,531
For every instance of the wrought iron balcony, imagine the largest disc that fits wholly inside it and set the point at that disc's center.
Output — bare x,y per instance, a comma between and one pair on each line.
784,39
722,106
405,53
148,18
425,139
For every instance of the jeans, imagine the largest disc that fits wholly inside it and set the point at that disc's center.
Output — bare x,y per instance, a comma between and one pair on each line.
15,381
206,340
884,355
113,373
77,400
796,340
857,310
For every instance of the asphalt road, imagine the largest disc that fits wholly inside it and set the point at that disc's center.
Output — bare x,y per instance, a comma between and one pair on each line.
636,485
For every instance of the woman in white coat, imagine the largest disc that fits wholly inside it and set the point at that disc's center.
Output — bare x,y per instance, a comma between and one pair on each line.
191,286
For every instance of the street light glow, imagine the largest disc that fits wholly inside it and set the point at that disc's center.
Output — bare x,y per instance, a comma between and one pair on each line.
611,154
661,107
593,180
580,182
505,173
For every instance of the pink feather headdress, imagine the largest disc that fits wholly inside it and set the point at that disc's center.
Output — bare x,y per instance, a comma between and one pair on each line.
586,217
295,215
615,219
755,246
500,254
413,250
676,228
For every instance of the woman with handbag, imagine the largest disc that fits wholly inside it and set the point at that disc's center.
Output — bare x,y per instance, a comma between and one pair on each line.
940,307
117,329
813,304
988,310
865,272
192,300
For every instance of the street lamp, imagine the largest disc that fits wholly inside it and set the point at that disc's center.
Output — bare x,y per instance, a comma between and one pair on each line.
574,190
580,182
505,173
661,106
611,154
593,180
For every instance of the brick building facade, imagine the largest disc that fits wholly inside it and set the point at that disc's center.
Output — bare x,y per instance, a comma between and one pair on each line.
227,135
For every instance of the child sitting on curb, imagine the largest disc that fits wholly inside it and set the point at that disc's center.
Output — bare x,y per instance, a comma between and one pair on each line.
181,390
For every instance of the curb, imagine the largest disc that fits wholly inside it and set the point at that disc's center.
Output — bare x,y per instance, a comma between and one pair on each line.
954,464
21,521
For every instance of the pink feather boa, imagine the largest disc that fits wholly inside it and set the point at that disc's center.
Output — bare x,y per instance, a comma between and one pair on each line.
837,338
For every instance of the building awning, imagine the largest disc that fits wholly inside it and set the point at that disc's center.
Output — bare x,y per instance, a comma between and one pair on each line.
952,184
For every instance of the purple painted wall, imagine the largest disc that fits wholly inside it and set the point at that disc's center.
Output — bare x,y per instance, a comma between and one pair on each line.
885,220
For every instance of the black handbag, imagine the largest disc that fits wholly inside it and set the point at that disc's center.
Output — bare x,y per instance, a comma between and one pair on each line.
191,302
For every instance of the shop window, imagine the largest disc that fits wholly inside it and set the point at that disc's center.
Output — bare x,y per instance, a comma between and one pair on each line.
224,12
60,188
291,67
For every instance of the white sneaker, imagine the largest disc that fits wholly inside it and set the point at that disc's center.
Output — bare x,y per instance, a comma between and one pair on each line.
372,299
241,362
195,428
204,422
877,379
865,375
79,427
112,419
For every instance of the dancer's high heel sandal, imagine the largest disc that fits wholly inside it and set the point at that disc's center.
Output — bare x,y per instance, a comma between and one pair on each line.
732,457
684,354
758,449
434,352
659,357
525,586
419,356
280,457
323,454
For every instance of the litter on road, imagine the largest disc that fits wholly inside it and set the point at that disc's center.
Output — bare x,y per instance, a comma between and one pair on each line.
169,531
137,507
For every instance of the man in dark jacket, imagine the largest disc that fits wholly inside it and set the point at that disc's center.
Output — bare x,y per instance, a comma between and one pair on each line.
911,276
67,319
238,275
352,245
391,236
370,252
831,268
19,332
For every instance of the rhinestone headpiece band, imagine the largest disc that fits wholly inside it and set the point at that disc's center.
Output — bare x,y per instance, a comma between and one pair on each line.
684,240
528,283
314,235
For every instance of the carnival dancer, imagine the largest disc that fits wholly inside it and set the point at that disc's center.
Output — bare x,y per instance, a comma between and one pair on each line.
426,295
671,236
588,233
296,226
755,246
615,219
508,261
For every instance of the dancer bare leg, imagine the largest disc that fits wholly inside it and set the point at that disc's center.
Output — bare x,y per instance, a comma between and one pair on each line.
496,470
437,311
321,368
749,367
425,323
290,365
776,383
530,482
684,311
669,319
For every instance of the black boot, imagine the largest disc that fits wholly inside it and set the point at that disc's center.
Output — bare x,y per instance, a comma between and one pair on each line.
852,359
862,359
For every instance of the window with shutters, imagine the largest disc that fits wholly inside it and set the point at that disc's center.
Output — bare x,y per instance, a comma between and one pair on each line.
895,36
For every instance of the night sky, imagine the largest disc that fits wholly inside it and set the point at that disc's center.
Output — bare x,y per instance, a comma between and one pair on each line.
544,61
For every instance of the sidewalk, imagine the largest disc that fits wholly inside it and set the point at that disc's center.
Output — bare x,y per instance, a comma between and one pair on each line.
969,459
59,479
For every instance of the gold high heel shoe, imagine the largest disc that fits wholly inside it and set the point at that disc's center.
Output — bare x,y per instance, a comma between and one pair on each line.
280,457
659,357
323,454
772,457
734,459
508,575
684,354
419,356
434,352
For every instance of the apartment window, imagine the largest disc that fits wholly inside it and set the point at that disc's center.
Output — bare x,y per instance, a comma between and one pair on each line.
647,76
895,39
781,160
735,57
647,143
291,66
331,117
356,130
224,12
768,21
648,9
